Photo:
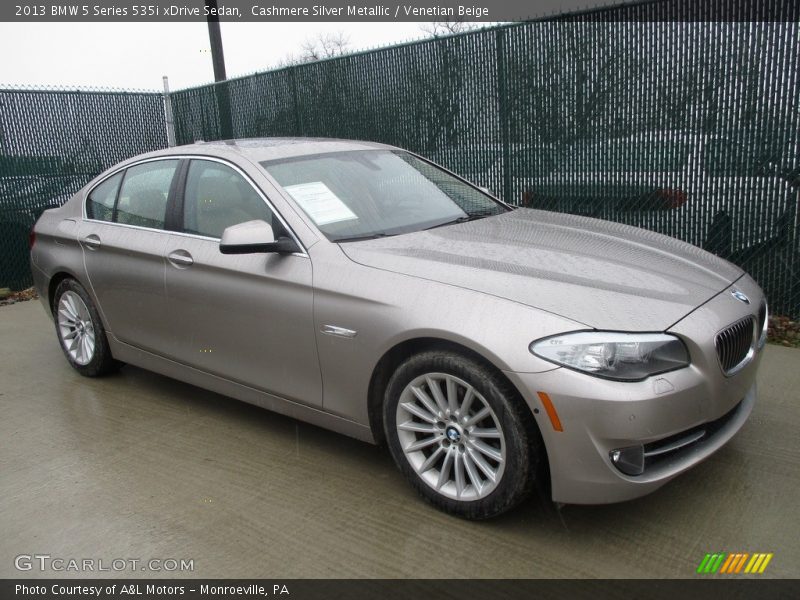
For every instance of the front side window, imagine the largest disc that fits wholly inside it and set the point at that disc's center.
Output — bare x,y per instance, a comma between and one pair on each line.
360,194
217,197
143,196
100,203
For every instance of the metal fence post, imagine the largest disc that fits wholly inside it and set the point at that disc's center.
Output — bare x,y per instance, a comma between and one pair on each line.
502,100
168,119
298,123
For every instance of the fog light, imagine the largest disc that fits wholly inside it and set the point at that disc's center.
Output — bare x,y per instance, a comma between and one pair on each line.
628,460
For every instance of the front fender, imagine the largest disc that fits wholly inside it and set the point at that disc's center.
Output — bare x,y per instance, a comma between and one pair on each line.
382,309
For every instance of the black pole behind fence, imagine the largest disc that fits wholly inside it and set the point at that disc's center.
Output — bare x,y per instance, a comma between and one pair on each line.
218,59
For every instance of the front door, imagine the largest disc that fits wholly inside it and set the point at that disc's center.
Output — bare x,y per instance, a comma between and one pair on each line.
247,318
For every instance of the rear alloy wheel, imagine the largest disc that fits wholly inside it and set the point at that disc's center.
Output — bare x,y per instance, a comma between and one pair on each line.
80,331
460,434
75,328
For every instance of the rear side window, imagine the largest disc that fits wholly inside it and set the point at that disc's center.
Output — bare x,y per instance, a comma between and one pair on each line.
143,197
100,203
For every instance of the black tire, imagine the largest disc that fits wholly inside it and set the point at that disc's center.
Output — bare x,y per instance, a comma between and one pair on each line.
524,448
101,363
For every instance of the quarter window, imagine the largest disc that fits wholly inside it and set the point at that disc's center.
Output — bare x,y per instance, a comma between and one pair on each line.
143,197
217,197
100,203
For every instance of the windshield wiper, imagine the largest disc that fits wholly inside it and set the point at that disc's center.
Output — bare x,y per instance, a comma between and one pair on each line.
465,219
381,234
359,238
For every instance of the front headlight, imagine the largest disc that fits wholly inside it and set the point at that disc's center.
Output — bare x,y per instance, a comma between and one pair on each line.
612,355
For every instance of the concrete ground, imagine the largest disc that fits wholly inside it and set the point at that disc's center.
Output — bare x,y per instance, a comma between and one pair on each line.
139,466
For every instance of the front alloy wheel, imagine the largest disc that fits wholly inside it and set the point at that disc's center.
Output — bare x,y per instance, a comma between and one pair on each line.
461,434
451,436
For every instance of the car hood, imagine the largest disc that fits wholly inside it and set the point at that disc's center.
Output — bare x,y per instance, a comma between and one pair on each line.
601,274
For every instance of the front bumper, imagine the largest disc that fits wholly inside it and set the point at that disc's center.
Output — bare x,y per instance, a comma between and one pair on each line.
664,413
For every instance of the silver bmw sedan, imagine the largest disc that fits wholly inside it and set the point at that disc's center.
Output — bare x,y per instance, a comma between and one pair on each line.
364,289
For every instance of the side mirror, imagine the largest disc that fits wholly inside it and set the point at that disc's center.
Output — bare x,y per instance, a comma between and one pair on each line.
254,237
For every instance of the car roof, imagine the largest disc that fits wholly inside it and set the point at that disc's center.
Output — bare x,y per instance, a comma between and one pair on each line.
263,149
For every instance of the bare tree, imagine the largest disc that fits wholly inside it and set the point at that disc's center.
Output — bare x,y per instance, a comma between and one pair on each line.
578,84
324,45
442,28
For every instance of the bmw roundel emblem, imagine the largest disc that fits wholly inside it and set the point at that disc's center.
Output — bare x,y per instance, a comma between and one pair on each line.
740,296
453,435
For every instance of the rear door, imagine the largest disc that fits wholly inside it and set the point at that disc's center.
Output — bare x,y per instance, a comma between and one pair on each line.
247,318
123,241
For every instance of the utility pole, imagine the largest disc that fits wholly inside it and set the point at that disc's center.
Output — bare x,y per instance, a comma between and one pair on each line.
218,61
215,37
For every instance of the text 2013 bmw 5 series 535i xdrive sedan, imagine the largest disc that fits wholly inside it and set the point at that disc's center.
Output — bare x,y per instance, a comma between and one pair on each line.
359,287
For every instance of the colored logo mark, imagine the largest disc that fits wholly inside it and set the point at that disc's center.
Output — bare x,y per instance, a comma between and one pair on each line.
734,563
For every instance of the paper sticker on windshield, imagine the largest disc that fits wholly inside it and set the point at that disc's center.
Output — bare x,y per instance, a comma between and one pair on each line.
320,203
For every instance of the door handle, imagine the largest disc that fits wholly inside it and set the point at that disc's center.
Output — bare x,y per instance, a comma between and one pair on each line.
180,259
92,242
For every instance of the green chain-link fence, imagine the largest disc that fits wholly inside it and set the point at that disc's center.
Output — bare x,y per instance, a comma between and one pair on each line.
51,144
687,128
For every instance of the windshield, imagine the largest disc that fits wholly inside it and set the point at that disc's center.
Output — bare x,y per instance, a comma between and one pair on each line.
364,194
